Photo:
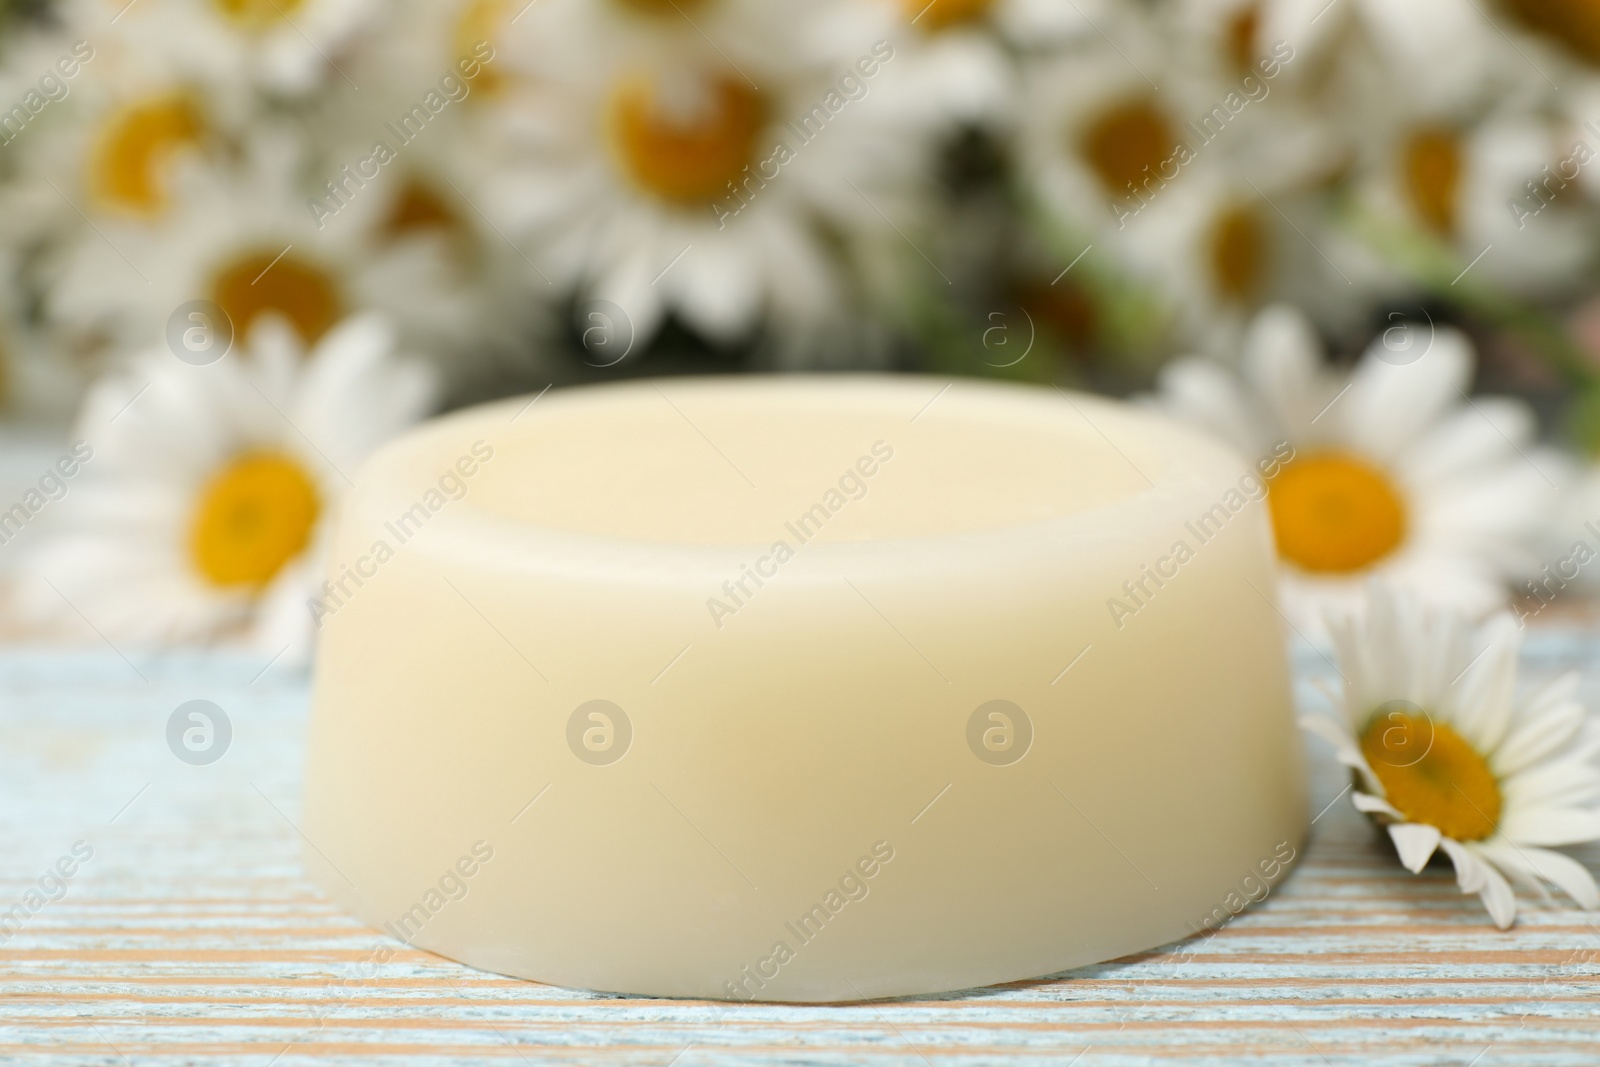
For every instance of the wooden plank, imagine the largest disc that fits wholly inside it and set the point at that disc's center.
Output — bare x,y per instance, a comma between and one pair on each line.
190,936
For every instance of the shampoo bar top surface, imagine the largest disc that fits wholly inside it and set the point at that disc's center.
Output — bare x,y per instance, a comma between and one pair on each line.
801,689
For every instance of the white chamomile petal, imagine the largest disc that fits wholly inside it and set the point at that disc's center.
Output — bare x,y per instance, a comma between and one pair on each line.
1344,748
1535,740
1484,713
1350,650
1470,876
1202,392
1504,856
280,631
1463,442
1563,784
1534,866
1444,657
1328,691
1282,360
1374,805
1559,693
1551,826
1415,842
1392,404
1495,892
1566,873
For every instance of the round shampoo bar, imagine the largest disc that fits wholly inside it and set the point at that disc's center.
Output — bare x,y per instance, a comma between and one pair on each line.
801,689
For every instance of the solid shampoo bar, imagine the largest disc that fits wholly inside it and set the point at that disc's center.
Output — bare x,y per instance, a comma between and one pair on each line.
800,688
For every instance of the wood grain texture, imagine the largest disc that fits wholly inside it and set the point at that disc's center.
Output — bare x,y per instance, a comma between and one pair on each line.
191,936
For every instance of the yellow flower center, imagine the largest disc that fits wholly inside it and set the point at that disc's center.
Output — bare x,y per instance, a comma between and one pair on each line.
935,15
1430,774
1575,23
1126,141
480,23
257,15
419,209
297,289
129,164
1243,25
687,162
661,8
1333,513
1433,167
1238,248
254,516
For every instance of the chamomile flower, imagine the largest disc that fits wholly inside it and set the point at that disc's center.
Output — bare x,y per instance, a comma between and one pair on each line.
724,185
958,65
1447,758
1208,190
1242,225
1096,135
572,43
112,144
1453,52
1475,183
1396,472
285,47
1440,52
244,237
205,501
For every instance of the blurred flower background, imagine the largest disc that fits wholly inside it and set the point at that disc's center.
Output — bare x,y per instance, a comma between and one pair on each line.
244,241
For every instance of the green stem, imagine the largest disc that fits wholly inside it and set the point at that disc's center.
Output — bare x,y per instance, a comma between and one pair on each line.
1436,267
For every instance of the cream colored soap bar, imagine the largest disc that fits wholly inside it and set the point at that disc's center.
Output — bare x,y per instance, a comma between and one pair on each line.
801,689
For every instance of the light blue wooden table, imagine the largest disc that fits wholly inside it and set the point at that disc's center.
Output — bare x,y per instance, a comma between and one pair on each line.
190,935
